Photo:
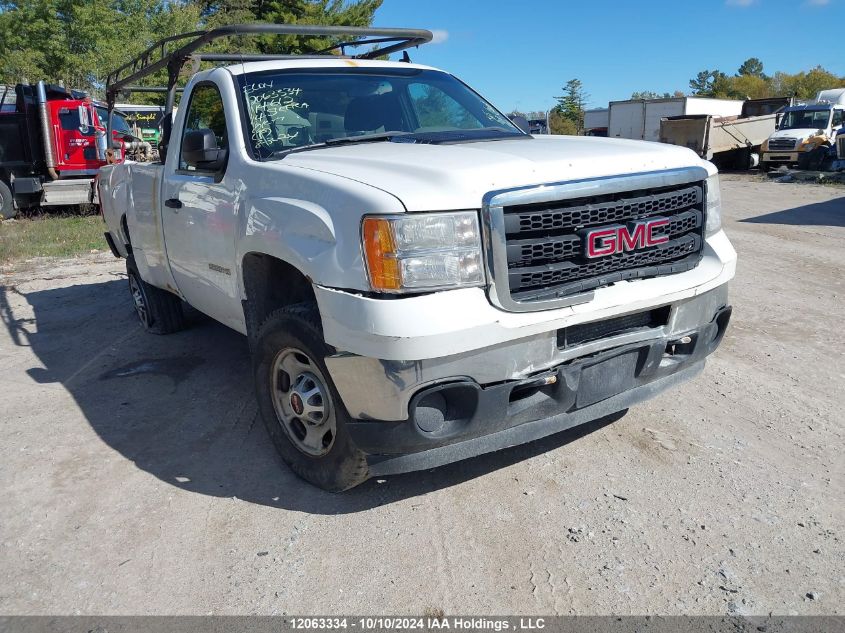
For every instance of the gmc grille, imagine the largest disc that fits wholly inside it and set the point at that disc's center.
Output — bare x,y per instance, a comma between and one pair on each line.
840,146
546,250
782,144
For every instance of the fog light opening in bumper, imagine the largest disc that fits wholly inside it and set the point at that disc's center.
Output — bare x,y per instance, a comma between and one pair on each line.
682,346
445,409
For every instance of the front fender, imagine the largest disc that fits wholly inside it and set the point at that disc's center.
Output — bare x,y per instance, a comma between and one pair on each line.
312,221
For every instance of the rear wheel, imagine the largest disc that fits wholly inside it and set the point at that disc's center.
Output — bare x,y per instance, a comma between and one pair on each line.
299,404
7,203
159,311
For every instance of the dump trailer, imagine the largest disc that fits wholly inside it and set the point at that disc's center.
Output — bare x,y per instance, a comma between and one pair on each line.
730,142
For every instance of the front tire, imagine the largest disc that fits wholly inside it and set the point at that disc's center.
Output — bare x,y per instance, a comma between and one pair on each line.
812,160
299,404
159,311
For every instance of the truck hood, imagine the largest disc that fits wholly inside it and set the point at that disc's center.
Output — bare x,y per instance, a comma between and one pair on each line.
443,177
801,134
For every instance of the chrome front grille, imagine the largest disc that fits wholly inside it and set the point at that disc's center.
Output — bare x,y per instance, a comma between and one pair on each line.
840,146
782,144
541,260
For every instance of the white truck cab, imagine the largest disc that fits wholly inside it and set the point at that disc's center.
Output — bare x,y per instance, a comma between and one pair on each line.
419,280
806,132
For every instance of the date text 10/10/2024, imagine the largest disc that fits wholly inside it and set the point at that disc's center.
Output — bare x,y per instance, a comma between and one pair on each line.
421,623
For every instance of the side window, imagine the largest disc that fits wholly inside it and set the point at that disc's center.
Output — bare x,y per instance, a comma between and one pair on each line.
435,109
205,112
838,117
70,121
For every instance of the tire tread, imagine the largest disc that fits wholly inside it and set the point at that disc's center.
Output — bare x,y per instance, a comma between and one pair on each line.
164,307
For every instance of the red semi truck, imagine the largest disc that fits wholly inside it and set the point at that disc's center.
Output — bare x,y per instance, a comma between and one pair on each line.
52,143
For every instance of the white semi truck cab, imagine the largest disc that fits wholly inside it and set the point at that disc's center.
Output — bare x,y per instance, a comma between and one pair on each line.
419,280
806,132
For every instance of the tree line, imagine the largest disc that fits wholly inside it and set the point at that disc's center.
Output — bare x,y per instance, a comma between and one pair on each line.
78,42
749,82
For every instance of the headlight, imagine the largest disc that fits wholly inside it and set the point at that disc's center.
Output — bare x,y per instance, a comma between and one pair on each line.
425,251
713,208
811,143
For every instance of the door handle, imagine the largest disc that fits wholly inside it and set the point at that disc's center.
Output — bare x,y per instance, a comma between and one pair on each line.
173,203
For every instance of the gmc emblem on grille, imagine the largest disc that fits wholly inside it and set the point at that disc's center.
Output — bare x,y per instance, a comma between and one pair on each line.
618,238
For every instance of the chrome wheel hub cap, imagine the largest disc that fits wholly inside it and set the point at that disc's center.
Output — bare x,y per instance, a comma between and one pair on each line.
302,402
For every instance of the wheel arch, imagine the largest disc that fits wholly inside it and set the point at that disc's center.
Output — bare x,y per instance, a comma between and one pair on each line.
269,283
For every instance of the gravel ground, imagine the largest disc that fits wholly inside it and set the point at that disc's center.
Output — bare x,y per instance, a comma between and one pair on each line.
136,478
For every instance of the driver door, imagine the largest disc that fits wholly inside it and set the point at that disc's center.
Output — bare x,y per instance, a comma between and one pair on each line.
199,215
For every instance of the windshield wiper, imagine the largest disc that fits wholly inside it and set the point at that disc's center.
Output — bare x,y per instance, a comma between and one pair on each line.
457,136
444,137
343,140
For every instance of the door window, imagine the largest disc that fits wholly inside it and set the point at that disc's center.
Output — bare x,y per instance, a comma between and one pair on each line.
205,112
71,121
838,117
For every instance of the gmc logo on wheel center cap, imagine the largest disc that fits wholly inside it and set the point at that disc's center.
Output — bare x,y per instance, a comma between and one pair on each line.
619,238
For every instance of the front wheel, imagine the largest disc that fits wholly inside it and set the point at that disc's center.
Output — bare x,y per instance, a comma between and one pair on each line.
299,404
813,160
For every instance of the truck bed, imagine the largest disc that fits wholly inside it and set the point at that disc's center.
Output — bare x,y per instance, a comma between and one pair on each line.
130,195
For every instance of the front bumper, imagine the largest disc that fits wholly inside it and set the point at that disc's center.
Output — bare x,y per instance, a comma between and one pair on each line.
382,389
780,157
462,419
415,415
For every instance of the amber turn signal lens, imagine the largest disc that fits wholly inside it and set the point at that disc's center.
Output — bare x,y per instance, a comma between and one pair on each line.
380,251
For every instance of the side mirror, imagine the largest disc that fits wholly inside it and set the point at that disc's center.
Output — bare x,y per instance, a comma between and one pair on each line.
522,123
200,150
84,122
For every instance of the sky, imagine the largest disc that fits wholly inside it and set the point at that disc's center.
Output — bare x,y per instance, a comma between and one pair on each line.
520,58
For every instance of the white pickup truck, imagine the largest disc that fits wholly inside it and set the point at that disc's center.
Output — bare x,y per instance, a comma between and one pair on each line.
420,280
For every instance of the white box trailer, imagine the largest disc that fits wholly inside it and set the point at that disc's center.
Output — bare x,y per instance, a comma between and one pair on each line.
640,118
834,96
596,119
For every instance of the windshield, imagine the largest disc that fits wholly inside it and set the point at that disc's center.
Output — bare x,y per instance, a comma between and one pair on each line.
806,119
287,110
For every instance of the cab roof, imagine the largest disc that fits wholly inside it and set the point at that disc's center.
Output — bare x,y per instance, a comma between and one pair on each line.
306,63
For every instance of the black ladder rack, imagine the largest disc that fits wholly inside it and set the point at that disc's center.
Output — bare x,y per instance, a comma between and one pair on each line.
173,52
